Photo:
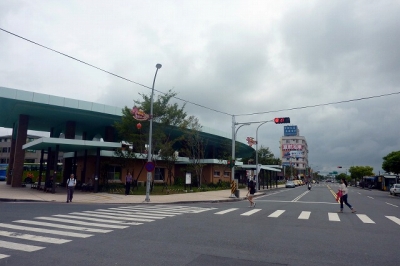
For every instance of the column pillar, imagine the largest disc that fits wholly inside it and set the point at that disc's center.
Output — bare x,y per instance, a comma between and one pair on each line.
19,157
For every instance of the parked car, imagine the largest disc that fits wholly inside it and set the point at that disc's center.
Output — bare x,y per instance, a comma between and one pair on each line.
395,189
290,184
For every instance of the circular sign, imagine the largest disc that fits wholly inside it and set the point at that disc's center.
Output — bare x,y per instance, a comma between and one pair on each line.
149,166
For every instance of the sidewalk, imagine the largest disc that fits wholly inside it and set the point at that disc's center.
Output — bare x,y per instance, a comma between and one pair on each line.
26,194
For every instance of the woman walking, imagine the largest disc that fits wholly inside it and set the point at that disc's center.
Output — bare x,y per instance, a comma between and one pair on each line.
343,198
250,193
128,181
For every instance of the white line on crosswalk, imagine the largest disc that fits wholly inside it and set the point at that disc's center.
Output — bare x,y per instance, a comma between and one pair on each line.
129,214
61,226
18,246
40,230
226,211
276,214
120,217
392,204
34,237
365,219
304,215
394,219
81,223
333,217
147,212
155,211
250,212
2,256
96,219
370,197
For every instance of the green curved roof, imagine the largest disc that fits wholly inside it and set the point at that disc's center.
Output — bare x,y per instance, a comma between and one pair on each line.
48,112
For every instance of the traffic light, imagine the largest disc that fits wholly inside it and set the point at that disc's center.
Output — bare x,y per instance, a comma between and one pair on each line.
230,164
282,120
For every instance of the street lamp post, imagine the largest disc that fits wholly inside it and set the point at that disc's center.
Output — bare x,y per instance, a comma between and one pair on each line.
257,169
149,174
234,132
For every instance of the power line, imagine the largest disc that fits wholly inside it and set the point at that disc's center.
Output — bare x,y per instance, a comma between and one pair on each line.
322,104
108,72
196,104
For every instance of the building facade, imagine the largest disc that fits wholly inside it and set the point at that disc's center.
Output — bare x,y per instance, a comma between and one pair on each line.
31,156
294,151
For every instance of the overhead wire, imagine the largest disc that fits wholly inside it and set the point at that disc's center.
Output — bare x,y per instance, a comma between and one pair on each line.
196,104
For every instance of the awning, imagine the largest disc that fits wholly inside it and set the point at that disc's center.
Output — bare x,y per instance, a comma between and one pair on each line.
264,167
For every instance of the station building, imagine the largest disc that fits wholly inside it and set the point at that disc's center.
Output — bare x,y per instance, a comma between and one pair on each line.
83,134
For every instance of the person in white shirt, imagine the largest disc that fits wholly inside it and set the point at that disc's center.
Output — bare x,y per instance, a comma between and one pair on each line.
343,198
71,183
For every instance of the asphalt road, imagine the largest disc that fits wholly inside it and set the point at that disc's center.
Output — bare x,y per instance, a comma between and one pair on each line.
287,227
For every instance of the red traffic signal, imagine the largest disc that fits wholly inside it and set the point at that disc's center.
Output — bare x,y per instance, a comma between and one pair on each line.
282,120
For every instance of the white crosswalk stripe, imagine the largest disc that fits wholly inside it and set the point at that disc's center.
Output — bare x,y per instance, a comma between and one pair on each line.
394,219
34,237
365,219
226,211
61,226
18,246
47,231
276,214
253,211
334,217
304,215
104,219
74,221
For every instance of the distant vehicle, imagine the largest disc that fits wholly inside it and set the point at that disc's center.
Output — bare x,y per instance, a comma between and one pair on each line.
395,189
290,184
3,172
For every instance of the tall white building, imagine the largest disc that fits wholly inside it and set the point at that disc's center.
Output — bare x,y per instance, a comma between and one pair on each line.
294,150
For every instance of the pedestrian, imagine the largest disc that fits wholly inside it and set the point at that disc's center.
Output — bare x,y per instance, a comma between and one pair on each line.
128,182
343,198
250,193
71,183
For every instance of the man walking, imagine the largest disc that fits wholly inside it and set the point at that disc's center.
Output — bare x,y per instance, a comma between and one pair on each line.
128,183
71,182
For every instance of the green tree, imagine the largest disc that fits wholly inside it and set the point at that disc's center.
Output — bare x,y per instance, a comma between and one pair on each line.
391,162
358,172
166,117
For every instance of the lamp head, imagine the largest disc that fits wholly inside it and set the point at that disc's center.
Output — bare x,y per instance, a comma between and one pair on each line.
158,66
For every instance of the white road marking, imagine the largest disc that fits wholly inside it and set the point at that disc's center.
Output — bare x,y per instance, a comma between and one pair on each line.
394,219
250,212
226,211
147,212
276,214
365,219
305,215
94,214
34,237
300,196
18,246
96,219
392,204
128,214
154,211
86,229
333,217
2,256
40,230
370,197
81,223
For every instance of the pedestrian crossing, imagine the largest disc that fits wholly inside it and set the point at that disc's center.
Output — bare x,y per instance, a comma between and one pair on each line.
43,231
64,228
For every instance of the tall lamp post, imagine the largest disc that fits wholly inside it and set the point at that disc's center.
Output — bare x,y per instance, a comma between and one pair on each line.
257,169
149,173
234,132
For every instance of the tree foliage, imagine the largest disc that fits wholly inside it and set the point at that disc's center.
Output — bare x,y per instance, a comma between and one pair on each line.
358,172
391,162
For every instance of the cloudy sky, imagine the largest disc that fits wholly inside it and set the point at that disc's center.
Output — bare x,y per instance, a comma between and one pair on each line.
253,59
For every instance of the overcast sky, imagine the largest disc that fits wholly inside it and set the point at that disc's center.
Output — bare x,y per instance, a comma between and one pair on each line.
234,57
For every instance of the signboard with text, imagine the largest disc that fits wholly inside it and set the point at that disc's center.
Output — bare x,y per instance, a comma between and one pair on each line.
292,147
290,130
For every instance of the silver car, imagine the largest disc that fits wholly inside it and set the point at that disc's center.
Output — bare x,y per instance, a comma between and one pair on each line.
290,184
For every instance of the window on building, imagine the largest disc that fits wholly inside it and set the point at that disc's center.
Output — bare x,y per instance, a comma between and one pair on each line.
4,149
287,141
29,160
297,141
217,173
113,172
159,174
227,174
